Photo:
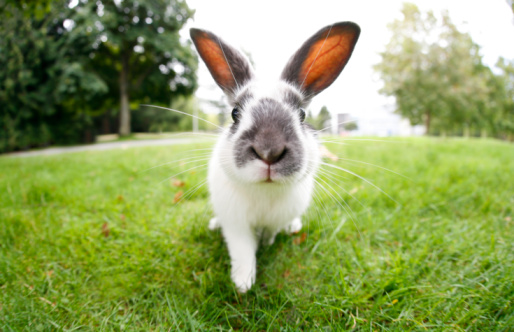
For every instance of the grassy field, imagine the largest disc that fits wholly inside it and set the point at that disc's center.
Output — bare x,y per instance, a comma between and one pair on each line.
101,241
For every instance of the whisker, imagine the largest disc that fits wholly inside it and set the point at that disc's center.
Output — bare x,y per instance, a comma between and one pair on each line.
317,197
327,174
369,164
174,175
180,112
323,205
191,192
339,123
362,178
199,157
187,195
186,133
350,212
358,139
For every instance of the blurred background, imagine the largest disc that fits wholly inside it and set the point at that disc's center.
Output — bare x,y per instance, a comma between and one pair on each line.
79,71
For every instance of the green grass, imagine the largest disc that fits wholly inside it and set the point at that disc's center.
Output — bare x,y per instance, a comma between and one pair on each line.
92,242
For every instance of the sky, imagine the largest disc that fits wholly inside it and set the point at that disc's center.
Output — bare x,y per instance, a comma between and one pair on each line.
272,30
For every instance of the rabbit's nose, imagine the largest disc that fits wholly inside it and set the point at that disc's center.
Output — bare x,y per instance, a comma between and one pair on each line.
269,155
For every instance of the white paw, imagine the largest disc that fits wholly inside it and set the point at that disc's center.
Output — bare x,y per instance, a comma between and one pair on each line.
243,277
271,239
268,237
213,224
295,226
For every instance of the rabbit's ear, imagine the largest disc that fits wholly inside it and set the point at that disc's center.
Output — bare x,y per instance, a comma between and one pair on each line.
321,59
228,67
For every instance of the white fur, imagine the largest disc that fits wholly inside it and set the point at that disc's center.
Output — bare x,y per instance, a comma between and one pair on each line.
244,204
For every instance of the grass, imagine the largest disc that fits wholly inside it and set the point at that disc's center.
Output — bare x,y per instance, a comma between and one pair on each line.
93,242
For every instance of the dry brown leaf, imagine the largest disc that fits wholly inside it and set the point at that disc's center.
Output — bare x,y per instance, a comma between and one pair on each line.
49,273
178,196
177,183
105,229
300,239
120,198
325,153
286,274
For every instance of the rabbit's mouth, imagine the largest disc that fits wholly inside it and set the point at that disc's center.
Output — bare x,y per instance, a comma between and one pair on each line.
273,174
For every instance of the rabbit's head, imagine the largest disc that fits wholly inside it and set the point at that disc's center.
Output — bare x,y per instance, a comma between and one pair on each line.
268,141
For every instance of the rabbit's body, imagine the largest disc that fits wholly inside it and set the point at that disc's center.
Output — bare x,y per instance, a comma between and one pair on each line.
268,206
261,174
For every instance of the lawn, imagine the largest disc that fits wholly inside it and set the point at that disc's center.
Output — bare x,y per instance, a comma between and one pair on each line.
117,240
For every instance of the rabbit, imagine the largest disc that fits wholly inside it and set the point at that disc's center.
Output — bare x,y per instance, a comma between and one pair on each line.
262,169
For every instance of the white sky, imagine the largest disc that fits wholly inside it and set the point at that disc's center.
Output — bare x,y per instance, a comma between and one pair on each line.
272,30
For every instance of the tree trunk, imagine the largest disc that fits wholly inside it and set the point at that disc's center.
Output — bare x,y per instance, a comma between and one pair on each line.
466,131
427,122
124,96
106,122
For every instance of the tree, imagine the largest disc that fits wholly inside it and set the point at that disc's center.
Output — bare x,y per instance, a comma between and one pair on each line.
434,71
137,50
504,121
323,119
45,89
350,126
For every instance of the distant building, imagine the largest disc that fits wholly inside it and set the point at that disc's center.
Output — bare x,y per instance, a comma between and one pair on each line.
342,119
381,123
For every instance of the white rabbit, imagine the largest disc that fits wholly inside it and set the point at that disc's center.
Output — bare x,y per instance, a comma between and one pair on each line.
261,174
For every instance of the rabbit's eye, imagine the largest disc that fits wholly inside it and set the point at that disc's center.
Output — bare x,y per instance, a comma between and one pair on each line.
235,114
302,114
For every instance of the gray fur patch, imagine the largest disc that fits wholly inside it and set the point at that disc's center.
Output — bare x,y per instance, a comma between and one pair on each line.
272,132
293,98
242,99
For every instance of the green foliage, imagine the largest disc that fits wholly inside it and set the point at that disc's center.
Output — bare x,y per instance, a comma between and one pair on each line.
66,69
350,126
321,121
436,74
30,8
45,91
92,241
504,89
138,52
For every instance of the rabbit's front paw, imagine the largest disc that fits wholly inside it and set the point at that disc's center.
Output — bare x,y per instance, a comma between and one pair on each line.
214,224
295,226
243,277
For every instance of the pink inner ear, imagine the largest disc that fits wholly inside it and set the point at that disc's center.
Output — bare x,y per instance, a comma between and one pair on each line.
212,55
326,59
